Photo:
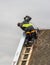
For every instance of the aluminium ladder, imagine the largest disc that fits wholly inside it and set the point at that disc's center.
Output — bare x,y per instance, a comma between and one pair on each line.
26,55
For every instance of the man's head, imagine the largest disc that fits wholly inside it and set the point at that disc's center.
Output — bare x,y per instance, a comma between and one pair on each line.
27,18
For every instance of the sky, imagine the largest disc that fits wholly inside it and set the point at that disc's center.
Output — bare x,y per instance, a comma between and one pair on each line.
12,12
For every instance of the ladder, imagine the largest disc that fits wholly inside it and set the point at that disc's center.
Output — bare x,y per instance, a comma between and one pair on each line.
26,55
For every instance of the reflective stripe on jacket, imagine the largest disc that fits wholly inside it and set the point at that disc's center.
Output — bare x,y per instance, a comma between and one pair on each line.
26,25
31,32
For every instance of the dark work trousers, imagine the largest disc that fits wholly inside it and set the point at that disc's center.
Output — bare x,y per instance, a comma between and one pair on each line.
34,35
31,36
28,37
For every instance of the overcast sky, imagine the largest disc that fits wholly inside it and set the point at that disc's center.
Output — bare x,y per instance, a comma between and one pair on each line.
13,11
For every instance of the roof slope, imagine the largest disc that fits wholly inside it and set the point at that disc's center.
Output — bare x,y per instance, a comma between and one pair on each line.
41,54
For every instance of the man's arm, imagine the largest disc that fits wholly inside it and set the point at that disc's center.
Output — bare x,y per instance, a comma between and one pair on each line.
20,25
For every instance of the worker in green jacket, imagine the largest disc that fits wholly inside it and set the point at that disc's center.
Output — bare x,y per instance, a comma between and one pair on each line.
28,28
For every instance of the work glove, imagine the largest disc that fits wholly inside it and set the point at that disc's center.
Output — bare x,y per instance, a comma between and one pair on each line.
19,24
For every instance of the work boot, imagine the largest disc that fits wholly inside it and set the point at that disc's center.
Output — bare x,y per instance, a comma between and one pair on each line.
32,40
26,41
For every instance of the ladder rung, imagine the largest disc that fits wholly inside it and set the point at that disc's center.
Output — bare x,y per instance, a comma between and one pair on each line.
23,62
27,50
24,59
25,53
28,47
25,56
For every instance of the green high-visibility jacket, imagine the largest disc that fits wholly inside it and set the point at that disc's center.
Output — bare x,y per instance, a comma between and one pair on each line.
27,25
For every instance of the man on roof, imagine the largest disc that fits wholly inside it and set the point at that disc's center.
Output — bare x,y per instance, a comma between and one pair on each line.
28,28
